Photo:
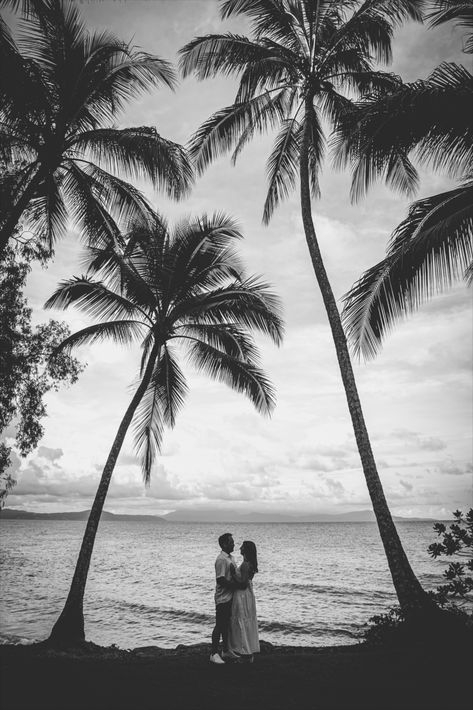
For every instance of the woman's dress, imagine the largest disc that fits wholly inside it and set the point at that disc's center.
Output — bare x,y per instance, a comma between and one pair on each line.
243,636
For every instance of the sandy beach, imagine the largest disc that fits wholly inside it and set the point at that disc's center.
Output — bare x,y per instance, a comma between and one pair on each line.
281,678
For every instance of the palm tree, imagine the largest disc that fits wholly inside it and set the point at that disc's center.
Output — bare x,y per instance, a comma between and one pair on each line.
61,88
186,287
305,60
433,245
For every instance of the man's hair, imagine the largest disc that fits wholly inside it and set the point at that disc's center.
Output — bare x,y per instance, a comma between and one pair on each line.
223,539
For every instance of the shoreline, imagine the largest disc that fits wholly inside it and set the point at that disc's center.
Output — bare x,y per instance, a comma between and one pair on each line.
354,677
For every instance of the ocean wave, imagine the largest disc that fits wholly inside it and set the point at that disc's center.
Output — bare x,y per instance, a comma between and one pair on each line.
352,630
158,611
340,592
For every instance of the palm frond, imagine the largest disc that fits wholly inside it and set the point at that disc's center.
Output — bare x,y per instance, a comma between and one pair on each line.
269,18
201,256
450,10
228,54
81,193
148,426
429,250
282,166
123,201
95,299
219,133
47,213
283,102
121,273
140,153
170,384
248,303
122,332
240,375
227,337
430,117
316,147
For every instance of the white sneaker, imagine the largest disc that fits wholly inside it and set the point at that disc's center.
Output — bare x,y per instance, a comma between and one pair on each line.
215,658
230,656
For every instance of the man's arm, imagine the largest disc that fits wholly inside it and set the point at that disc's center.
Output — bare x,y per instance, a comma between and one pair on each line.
225,583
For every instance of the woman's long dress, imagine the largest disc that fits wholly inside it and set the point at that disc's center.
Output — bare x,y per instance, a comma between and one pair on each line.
243,636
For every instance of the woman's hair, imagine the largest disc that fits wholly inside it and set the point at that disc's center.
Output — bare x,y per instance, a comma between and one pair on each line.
250,554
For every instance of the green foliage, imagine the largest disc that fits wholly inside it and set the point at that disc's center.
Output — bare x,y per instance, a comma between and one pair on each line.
28,371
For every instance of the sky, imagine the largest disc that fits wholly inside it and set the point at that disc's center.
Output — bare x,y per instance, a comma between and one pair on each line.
222,454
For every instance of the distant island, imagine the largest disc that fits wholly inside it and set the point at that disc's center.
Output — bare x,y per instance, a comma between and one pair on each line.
209,516
12,514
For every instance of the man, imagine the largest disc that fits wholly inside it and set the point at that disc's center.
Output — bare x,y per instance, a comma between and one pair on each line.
223,599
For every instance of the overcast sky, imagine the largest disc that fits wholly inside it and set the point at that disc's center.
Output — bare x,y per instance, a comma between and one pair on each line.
416,394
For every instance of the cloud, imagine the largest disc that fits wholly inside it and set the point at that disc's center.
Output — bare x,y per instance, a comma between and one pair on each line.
450,468
50,454
427,443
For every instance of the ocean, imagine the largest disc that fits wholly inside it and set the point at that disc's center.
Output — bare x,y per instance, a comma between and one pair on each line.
153,583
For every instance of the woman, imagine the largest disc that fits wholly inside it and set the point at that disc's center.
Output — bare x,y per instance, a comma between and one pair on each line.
243,634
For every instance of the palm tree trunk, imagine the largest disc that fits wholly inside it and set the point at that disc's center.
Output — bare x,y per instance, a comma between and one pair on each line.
13,216
412,598
69,628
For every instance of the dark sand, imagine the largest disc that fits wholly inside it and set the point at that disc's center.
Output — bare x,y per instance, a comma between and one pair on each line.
281,678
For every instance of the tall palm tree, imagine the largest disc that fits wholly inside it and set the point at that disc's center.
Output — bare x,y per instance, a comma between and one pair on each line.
187,288
433,245
305,61
61,88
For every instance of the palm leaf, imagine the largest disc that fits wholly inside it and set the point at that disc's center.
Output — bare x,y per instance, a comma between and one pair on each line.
248,303
282,167
170,384
429,250
148,428
240,375
122,332
219,133
227,53
139,152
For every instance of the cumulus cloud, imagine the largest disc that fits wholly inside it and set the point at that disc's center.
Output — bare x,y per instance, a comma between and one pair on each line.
52,455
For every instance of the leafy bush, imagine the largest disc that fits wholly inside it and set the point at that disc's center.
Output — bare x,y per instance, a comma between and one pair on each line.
457,539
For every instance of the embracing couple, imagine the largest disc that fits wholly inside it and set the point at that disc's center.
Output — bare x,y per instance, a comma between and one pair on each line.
235,606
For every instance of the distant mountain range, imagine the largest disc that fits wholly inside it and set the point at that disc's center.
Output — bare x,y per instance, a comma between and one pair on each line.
232,516
11,514
209,516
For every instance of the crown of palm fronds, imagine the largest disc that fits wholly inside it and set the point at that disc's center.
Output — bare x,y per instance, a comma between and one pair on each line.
430,117
304,62
60,91
185,287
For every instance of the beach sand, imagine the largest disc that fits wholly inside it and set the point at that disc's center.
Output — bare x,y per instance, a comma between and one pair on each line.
281,678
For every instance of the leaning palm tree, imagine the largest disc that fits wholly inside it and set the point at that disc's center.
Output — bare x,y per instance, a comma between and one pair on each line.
305,62
433,246
165,289
61,88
